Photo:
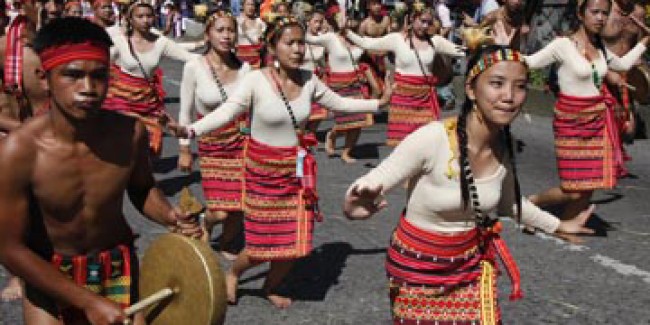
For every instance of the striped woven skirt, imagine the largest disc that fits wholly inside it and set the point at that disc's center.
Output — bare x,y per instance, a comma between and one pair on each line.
318,112
278,222
347,84
414,103
587,143
135,96
250,54
438,278
221,159
111,274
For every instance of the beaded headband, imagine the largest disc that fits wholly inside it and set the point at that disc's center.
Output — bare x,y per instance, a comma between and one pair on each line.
279,22
218,14
490,59
139,3
419,6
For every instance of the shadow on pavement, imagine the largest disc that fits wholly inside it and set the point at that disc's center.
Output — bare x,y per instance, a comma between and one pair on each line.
600,225
312,276
367,150
611,197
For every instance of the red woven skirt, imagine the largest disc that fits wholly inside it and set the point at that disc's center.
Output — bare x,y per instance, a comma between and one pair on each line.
137,97
250,54
221,159
587,143
279,221
438,278
348,84
414,103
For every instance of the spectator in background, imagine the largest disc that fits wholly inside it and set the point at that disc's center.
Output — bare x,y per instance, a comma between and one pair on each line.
52,9
484,8
173,25
444,15
164,11
445,93
73,9
235,7
87,9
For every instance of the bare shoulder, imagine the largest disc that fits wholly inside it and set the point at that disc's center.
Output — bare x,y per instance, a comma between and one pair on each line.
385,21
19,149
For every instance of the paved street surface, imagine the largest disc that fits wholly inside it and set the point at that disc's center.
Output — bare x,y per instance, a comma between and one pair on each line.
604,281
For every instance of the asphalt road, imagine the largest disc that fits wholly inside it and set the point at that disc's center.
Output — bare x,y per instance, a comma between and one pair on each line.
603,281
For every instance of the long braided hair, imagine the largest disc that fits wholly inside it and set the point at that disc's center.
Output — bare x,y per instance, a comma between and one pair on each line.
467,183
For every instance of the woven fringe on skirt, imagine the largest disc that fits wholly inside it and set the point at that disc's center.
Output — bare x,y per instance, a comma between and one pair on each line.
414,103
438,278
135,96
278,222
347,84
221,159
587,143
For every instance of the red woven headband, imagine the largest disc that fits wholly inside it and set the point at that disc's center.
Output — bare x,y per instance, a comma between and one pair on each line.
56,56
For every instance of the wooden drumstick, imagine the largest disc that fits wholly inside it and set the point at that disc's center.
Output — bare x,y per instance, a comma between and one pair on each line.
146,302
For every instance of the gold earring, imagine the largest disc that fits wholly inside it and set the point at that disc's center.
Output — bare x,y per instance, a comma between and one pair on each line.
478,113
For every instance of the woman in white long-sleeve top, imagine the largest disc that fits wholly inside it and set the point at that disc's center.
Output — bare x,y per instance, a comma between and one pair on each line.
587,145
414,102
347,77
136,81
280,199
442,258
207,83
315,62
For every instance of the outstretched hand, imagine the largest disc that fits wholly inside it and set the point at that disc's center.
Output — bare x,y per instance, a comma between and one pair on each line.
361,202
500,35
570,229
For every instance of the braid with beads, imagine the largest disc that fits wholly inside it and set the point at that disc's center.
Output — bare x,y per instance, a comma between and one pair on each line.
469,192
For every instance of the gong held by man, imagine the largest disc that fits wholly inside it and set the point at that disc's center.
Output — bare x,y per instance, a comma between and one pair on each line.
62,180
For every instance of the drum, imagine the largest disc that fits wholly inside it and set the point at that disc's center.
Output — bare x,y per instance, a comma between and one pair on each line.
189,270
639,78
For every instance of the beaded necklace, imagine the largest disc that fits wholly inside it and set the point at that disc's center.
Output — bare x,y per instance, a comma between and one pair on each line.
595,78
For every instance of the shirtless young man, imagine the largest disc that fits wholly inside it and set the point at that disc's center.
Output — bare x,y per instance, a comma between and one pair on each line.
511,15
63,176
376,25
620,35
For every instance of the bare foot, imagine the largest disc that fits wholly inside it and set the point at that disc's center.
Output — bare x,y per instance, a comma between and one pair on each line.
279,301
348,159
13,291
231,287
